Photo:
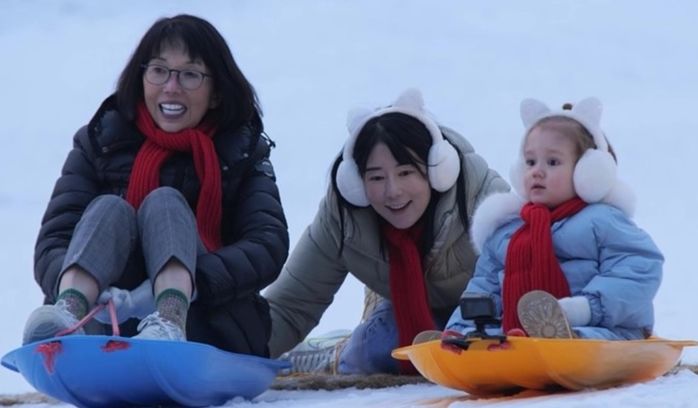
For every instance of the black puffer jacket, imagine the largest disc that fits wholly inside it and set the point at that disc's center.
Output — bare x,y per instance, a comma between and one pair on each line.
229,312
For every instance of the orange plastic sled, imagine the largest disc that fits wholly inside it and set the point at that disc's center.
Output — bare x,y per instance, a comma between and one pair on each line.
488,367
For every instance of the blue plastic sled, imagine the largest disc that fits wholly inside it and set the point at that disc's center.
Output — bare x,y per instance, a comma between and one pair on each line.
109,371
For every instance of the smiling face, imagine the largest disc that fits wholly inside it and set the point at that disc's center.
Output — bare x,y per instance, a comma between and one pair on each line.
399,193
550,157
172,107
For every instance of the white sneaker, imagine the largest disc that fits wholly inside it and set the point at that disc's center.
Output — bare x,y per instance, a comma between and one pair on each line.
317,354
154,327
46,321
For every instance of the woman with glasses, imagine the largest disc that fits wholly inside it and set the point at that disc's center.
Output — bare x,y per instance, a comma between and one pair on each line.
167,203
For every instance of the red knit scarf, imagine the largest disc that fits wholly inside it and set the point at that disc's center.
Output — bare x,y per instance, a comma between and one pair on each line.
531,262
157,148
407,288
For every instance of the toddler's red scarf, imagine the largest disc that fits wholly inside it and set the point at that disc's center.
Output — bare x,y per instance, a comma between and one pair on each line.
531,262
407,288
157,148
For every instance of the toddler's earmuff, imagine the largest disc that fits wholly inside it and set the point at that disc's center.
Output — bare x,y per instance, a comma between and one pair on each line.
595,173
443,164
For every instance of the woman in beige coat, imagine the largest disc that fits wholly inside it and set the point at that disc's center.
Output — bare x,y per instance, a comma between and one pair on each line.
396,216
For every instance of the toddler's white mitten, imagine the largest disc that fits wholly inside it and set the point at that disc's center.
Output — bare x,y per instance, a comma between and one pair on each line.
576,309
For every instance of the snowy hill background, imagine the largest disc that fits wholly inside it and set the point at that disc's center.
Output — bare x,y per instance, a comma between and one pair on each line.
311,61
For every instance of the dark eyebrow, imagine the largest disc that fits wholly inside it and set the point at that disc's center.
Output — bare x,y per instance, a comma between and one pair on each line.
372,169
190,62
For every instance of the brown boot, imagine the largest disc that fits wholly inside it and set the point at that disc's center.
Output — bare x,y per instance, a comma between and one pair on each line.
541,316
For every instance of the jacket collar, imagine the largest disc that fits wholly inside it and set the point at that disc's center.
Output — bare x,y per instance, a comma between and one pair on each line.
111,131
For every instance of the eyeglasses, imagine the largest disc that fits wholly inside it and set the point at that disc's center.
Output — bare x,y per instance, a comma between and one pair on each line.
160,74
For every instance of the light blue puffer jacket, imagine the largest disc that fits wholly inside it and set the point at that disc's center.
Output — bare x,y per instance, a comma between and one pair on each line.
605,257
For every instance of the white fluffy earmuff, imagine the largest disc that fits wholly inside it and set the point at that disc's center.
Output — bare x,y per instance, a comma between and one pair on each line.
595,173
443,164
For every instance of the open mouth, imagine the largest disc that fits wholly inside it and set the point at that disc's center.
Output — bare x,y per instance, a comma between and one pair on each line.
172,109
398,208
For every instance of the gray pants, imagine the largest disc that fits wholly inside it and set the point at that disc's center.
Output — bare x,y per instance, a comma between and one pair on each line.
110,231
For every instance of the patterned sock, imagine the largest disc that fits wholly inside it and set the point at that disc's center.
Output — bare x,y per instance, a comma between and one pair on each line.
74,302
173,305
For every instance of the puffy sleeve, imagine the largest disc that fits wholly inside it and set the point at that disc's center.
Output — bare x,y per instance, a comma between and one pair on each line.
486,279
309,280
256,244
630,271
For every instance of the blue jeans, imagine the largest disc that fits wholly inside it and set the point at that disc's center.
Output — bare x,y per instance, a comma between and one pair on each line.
368,349
110,231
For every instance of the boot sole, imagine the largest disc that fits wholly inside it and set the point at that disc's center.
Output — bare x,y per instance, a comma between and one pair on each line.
541,316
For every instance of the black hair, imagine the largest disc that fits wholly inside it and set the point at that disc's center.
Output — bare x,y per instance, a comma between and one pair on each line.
237,100
409,141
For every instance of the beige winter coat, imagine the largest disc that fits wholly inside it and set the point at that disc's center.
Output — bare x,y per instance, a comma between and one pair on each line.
315,271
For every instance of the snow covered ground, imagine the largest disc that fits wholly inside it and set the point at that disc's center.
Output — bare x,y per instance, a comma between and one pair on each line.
311,61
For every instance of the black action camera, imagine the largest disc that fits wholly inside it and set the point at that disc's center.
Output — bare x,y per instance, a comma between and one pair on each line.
478,307
481,309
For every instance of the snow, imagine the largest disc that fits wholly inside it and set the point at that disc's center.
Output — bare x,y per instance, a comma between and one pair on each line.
311,61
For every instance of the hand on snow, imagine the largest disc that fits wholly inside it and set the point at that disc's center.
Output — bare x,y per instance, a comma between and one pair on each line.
137,303
576,309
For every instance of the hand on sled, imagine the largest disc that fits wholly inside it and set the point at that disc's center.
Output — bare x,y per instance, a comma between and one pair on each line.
451,335
138,302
